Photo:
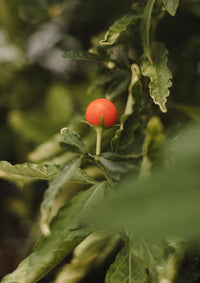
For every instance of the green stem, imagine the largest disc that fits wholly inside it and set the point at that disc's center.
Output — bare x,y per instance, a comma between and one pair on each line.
99,131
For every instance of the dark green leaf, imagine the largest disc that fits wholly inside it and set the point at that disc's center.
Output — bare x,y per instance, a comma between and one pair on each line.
118,27
83,55
64,176
159,75
73,140
145,27
116,164
171,6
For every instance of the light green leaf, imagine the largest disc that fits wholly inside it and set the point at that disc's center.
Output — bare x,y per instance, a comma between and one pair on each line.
74,140
126,268
29,170
118,27
64,176
145,27
159,75
53,248
83,55
120,141
171,6
156,206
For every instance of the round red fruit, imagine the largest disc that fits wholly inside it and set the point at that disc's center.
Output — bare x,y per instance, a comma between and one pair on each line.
101,107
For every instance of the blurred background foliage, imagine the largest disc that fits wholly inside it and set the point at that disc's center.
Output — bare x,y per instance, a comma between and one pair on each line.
40,92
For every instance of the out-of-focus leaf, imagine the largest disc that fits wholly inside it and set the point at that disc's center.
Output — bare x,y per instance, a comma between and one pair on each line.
118,27
167,203
31,126
145,27
29,170
171,6
159,75
64,176
121,139
83,55
73,140
59,105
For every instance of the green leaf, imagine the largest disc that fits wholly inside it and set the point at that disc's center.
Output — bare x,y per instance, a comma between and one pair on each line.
53,248
166,204
73,140
83,55
29,170
64,176
126,268
145,27
130,117
159,75
116,165
118,27
171,6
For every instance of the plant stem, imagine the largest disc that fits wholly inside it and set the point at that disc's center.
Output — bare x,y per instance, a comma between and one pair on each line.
99,131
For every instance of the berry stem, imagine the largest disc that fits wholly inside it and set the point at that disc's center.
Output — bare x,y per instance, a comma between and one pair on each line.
99,131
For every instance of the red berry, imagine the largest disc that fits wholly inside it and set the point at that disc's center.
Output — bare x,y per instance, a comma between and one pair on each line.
101,107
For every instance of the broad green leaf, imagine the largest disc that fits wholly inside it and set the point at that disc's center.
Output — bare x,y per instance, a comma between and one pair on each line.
126,268
73,140
145,27
165,204
130,117
171,6
118,27
29,170
83,55
64,176
159,75
53,248
116,165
